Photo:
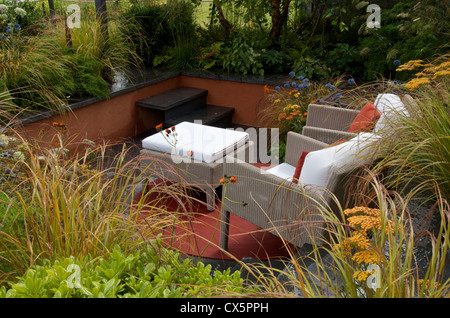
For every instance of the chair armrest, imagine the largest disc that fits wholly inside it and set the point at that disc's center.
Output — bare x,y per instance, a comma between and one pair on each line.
330,117
297,143
328,136
271,203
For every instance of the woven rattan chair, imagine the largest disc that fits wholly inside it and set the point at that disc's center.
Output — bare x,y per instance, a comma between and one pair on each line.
329,124
289,210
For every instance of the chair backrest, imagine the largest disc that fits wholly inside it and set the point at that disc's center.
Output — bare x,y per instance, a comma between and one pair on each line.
330,117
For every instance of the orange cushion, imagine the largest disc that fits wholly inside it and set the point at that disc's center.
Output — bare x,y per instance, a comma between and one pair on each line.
365,120
299,167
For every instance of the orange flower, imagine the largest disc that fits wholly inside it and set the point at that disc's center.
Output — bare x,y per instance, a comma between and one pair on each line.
266,89
60,127
233,179
281,116
56,144
289,117
222,181
158,127
190,153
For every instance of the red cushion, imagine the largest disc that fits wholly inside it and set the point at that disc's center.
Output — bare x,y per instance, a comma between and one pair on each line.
365,120
298,169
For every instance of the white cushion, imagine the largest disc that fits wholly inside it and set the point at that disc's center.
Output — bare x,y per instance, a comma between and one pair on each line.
319,164
389,106
206,142
284,171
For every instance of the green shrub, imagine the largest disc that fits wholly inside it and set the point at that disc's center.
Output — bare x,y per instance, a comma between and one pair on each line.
144,23
343,59
26,16
409,30
151,272
241,58
85,76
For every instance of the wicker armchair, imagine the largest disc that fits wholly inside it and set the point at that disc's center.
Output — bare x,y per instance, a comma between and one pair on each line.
289,210
328,123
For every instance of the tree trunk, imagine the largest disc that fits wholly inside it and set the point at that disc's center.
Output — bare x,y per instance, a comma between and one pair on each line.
279,17
223,21
100,8
51,6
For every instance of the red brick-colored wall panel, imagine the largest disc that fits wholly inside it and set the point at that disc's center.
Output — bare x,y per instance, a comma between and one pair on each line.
118,117
110,119
244,97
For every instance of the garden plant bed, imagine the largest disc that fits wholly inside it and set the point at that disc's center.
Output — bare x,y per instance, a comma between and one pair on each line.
346,195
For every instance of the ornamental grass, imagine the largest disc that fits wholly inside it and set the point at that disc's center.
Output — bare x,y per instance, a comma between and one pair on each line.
372,253
416,151
58,203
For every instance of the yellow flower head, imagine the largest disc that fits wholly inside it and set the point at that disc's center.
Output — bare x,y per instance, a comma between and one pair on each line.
362,275
417,82
367,257
411,65
441,73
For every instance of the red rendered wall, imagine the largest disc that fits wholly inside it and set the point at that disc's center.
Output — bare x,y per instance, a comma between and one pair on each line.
118,117
244,97
109,120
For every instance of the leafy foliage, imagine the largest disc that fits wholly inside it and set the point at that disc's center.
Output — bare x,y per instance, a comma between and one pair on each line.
151,272
86,79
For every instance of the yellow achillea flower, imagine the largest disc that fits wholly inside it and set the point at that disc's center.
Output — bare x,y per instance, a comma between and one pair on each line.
411,65
417,82
362,275
441,73
429,72
366,256
367,219
359,240
363,210
366,222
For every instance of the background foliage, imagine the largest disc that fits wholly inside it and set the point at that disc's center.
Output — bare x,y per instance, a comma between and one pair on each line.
316,37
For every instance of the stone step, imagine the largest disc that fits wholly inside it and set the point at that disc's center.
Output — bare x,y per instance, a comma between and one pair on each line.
211,115
175,102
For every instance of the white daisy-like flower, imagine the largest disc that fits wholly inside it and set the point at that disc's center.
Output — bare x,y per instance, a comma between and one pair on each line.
4,140
19,11
19,156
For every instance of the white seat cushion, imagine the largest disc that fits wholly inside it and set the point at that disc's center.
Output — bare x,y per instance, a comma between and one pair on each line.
319,164
390,107
207,143
284,171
